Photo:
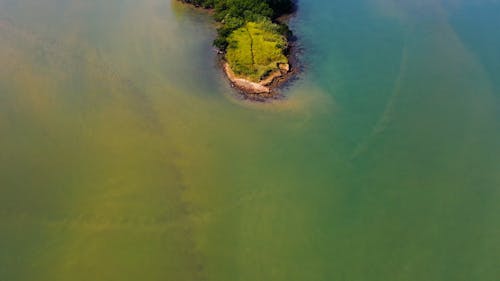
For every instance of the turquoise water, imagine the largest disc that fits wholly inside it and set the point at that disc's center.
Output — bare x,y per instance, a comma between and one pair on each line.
125,155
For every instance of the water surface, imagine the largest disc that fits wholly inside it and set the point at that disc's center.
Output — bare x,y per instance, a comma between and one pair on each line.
124,154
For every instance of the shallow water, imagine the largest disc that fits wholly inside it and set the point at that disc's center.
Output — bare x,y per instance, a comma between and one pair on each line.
126,156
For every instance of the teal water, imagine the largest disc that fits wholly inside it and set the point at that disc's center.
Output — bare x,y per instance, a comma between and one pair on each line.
124,154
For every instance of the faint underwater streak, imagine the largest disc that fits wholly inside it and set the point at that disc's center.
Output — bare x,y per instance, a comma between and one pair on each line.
64,57
385,118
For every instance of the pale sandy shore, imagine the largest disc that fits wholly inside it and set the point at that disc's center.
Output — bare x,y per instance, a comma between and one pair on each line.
263,88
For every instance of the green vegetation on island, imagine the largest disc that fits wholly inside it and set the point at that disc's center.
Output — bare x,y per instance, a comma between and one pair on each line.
256,50
254,45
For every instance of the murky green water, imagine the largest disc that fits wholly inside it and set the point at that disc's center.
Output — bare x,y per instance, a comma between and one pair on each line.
124,154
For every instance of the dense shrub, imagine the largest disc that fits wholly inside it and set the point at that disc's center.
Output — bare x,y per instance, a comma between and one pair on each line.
233,14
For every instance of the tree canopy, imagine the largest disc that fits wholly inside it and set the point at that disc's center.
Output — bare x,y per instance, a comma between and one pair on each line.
234,14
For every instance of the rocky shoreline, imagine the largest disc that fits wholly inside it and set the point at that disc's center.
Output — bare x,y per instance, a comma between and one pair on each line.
267,88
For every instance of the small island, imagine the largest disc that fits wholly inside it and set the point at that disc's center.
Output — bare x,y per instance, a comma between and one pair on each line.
254,45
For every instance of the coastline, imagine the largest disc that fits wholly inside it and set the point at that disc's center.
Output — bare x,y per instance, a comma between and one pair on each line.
268,88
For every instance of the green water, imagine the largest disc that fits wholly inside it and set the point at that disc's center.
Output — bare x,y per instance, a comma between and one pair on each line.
124,154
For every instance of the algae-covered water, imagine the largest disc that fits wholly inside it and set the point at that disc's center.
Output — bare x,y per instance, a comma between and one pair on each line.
125,155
